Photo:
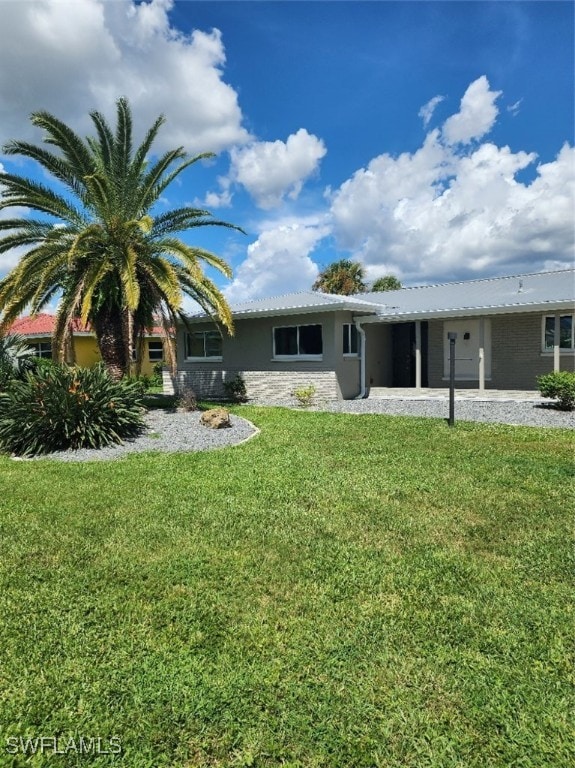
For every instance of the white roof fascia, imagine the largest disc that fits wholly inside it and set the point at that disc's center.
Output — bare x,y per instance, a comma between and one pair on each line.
546,306
305,310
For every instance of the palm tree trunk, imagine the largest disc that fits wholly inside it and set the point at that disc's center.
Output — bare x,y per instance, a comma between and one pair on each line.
70,348
128,336
108,326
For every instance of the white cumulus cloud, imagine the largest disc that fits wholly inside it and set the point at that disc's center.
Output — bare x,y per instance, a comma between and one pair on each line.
10,258
70,58
277,262
476,116
427,110
456,210
270,170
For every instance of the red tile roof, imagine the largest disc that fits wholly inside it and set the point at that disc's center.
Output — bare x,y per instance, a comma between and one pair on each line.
42,324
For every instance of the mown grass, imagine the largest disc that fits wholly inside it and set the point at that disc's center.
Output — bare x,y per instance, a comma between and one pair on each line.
345,591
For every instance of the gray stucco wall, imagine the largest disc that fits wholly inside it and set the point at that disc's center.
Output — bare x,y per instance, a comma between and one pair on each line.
250,353
347,368
516,357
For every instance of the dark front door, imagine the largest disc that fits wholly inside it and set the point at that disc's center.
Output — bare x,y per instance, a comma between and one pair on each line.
403,351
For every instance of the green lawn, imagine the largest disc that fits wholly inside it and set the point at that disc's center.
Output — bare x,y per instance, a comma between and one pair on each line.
342,591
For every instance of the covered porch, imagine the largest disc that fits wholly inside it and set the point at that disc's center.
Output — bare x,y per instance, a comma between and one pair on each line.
497,353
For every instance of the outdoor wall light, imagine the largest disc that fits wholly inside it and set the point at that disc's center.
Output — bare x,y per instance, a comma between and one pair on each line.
466,335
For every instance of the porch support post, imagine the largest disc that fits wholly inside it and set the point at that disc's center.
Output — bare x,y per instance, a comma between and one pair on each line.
362,376
481,354
418,354
556,342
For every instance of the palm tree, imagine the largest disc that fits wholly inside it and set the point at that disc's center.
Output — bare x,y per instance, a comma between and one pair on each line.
98,243
386,283
344,277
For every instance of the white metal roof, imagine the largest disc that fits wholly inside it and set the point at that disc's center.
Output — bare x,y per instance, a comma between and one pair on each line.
498,295
530,292
297,303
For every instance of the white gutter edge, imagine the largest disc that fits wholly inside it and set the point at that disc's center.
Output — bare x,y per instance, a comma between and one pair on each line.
434,314
362,384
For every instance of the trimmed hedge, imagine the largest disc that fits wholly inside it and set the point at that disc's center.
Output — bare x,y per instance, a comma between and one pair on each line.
57,408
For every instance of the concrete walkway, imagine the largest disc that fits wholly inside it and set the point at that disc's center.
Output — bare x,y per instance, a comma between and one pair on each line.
486,395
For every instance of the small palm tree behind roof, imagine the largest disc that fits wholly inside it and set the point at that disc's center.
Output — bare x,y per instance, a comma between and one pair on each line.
345,277
99,244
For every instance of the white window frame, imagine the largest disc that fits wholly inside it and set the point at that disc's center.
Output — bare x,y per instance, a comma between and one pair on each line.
562,350
40,348
205,357
297,356
161,351
349,326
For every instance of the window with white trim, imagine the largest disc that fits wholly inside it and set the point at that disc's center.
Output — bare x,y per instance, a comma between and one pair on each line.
298,341
566,332
204,345
155,351
350,339
42,349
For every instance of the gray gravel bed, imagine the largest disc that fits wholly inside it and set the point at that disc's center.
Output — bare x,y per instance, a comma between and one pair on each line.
509,412
170,431
527,414
167,431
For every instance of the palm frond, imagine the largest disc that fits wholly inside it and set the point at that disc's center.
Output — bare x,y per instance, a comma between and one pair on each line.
19,191
122,148
191,256
52,163
63,137
104,145
141,153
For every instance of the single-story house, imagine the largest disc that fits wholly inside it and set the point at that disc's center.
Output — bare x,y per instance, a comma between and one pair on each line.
37,331
509,331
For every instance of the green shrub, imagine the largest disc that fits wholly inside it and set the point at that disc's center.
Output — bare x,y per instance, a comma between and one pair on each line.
304,395
56,408
235,389
157,377
16,358
145,380
560,386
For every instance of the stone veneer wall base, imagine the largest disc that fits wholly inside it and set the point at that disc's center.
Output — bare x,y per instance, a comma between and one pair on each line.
264,385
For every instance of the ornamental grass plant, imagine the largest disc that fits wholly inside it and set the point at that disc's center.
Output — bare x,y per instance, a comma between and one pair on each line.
58,407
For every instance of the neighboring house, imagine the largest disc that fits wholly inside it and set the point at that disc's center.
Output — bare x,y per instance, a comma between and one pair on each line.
509,331
37,331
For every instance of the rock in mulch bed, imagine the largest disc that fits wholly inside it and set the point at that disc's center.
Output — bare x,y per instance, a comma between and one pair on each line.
216,418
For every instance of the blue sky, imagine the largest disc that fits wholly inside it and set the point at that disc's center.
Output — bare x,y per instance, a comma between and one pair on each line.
430,140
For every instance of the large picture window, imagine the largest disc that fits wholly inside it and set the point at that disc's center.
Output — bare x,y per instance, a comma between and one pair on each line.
203,345
566,333
350,339
298,341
